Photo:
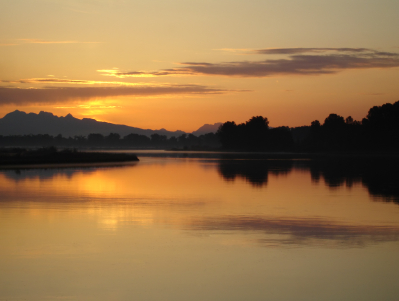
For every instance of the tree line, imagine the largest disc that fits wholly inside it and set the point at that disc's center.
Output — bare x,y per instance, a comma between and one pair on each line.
255,135
378,131
113,140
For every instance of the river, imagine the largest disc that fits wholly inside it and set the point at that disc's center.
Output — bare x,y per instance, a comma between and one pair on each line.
194,226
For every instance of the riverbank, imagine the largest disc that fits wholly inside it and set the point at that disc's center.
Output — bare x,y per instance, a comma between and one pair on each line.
50,155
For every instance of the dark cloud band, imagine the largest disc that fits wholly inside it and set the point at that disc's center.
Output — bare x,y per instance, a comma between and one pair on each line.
300,61
18,96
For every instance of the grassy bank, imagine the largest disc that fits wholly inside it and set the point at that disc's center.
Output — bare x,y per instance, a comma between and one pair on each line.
50,155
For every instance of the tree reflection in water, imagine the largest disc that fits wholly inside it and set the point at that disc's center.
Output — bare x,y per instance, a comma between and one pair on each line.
378,174
254,171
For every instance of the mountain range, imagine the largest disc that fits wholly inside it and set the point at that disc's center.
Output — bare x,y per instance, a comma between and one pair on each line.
21,123
207,128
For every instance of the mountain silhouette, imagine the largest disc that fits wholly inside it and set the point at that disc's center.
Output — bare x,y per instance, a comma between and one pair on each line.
207,128
21,123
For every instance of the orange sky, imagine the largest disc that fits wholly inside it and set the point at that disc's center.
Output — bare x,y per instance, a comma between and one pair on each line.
180,64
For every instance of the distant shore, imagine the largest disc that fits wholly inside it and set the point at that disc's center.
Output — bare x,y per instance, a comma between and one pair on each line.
50,155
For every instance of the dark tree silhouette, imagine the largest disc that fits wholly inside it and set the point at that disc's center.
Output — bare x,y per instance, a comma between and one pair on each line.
228,134
113,138
256,133
280,139
136,140
95,139
381,127
158,140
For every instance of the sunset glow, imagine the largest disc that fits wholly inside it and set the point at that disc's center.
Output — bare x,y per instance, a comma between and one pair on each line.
178,65
198,150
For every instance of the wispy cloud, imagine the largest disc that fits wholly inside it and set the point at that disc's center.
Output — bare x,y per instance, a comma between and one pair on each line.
88,106
306,50
54,80
236,50
298,61
117,73
17,96
40,41
37,41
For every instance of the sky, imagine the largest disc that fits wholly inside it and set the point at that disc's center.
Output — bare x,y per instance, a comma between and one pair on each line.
179,64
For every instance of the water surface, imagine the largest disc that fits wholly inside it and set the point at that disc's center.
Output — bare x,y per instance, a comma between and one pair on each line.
186,228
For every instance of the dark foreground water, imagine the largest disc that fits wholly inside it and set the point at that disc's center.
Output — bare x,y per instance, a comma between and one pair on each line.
210,228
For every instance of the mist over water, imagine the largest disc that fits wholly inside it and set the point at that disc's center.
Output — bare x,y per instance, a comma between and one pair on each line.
202,226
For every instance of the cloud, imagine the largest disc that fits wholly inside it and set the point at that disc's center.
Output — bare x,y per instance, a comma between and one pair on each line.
116,73
39,41
299,61
54,80
306,50
17,96
235,50
300,231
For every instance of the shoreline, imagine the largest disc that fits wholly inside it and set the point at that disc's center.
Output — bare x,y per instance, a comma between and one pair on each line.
51,157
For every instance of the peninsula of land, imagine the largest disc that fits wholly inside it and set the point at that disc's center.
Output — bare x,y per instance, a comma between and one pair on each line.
50,155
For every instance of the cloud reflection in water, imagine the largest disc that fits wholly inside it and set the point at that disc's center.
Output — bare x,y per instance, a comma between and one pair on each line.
306,231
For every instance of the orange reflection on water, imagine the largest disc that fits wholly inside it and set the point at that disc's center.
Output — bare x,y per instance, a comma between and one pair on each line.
170,228
176,191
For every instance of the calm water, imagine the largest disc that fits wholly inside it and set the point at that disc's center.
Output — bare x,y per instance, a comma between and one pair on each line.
210,228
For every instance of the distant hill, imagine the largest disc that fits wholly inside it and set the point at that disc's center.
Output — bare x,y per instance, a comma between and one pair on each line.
21,123
207,128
